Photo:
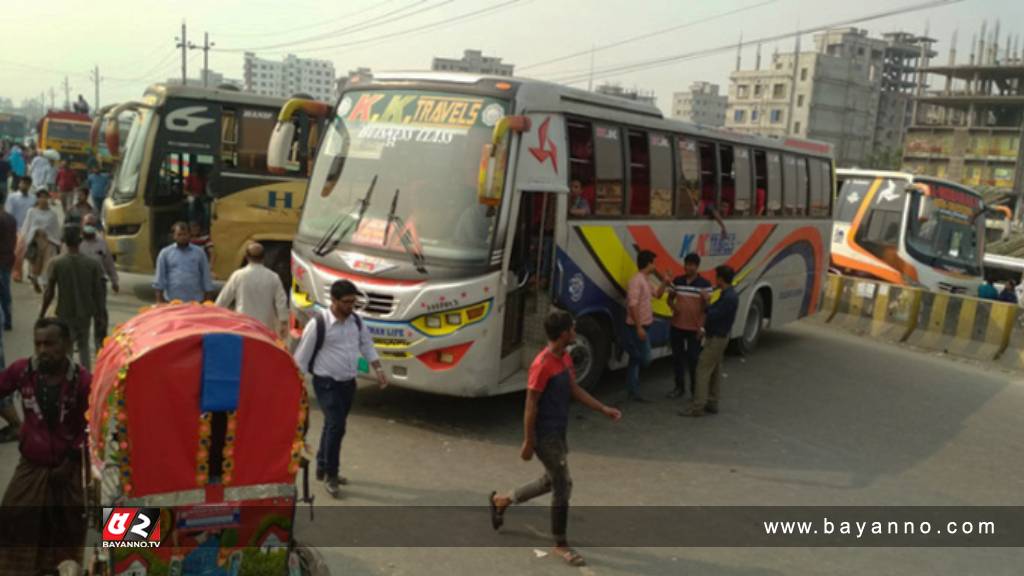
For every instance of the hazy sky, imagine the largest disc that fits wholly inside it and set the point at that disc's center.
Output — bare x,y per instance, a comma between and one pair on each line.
132,41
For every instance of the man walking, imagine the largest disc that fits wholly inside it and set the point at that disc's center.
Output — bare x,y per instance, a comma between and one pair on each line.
329,351
98,181
718,322
95,246
687,302
8,242
42,172
257,291
182,270
551,387
639,317
45,498
78,282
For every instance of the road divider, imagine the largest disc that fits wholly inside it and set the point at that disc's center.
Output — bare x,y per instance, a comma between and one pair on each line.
949,323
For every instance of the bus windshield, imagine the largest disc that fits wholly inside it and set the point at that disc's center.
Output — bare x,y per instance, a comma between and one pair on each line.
397,172
944,229
132,154
67,130
12,126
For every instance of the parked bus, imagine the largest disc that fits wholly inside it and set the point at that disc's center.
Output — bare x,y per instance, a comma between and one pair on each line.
68,134
199,154
910,230
445,199
13,128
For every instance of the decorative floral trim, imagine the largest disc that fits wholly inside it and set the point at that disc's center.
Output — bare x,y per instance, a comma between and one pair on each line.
229,449
298,444
203,454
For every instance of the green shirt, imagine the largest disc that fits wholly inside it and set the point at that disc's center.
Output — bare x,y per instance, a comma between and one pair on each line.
79,283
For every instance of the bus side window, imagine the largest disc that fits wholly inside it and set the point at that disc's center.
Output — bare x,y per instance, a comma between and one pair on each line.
727,183
256,128
760,183
661,175
708,178
688,193
821,188
229,139
581,168
639,174
828,194
789,187
741,168
608,155
774,184
802,191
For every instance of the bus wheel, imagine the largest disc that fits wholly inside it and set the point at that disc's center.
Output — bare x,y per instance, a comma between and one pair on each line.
590,352
278,258
753,327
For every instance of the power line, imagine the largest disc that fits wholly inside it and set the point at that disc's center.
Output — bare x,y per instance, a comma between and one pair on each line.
663,61
387,18
306,27
647,35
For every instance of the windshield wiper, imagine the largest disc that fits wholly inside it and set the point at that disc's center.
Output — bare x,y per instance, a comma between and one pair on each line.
325,245
391,217
404,237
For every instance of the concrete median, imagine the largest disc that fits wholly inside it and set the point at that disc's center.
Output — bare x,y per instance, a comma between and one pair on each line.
963,326
876,309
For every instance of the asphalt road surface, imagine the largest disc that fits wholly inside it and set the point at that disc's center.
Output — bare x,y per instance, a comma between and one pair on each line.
816,417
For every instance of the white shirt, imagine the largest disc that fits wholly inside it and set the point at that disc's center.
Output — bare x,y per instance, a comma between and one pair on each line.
41,172
45,220
343,344
17,205
255,290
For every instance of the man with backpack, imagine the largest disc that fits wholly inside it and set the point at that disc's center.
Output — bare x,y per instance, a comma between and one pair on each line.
329,351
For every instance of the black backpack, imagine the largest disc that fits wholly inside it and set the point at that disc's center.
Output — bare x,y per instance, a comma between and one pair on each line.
321,332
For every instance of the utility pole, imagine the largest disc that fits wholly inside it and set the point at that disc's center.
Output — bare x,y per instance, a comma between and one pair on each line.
67,94
182,43
206,55
590,83
95,77
53,98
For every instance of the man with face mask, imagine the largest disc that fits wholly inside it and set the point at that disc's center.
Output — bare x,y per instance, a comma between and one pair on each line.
44,499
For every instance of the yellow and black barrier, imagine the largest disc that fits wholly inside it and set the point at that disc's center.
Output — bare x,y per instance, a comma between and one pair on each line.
953,324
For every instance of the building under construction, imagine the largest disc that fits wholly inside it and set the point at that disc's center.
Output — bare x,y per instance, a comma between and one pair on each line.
968,129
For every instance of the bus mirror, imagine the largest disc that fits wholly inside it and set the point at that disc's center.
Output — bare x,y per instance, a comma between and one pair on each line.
494,159
112,136
279,148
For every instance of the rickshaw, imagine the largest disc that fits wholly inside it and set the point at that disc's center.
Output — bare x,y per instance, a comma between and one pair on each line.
197,414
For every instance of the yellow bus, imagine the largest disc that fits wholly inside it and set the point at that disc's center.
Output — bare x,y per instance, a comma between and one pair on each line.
68,134
199,155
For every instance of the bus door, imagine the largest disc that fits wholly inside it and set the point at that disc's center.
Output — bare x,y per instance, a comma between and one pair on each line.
531,267
185,168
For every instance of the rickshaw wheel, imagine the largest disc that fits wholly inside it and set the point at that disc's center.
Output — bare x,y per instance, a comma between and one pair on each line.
311,561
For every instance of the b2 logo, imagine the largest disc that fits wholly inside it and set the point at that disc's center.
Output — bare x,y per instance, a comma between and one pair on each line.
131,527
185,119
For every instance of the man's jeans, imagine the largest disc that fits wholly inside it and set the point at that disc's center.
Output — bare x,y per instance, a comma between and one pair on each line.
553,452
639,357
335,399
5,295
685,354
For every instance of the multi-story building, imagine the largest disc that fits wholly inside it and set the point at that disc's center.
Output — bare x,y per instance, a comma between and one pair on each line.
209,78
473,61
289,77
701,105
618,91
970,129
833,94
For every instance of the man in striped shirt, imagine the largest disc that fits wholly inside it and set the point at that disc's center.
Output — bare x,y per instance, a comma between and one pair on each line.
687,302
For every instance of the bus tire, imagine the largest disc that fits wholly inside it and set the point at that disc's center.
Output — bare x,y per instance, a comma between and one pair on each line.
278,258
753,326
591,351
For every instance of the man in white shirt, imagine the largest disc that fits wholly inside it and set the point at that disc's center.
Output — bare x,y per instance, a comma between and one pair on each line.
329,351
256,291
42,172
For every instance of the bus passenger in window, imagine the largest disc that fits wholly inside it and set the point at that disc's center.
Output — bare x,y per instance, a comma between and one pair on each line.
760,201
578,205
639,317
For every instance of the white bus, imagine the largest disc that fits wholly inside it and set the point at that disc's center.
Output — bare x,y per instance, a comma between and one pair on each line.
446,199
909,230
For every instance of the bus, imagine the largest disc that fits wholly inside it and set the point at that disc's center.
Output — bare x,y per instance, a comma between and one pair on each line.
13,128
68,134
445,199
199,155
906,229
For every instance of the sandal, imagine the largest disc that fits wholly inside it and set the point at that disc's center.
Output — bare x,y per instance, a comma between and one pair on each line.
8,434
571,557
497,516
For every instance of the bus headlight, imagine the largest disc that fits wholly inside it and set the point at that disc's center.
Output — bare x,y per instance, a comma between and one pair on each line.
451,320
300,297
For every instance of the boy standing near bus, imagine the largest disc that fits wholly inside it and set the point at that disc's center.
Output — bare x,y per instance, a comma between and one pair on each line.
718,320
639,317
550,389
687,302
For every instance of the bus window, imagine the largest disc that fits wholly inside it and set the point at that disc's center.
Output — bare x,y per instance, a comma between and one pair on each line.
608,155
256,127
801,186
229,139
661,175
743,188
821,188
789,187
688,194
708,176
581,168
639,174
852,192
727,184
774,184
760,183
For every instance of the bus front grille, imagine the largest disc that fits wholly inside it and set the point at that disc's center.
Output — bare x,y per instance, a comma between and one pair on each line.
376,303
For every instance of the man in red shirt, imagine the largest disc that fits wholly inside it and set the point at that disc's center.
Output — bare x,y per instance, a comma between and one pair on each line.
67,180
43,504
551,387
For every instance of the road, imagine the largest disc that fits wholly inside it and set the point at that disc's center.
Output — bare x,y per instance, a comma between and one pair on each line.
816,417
